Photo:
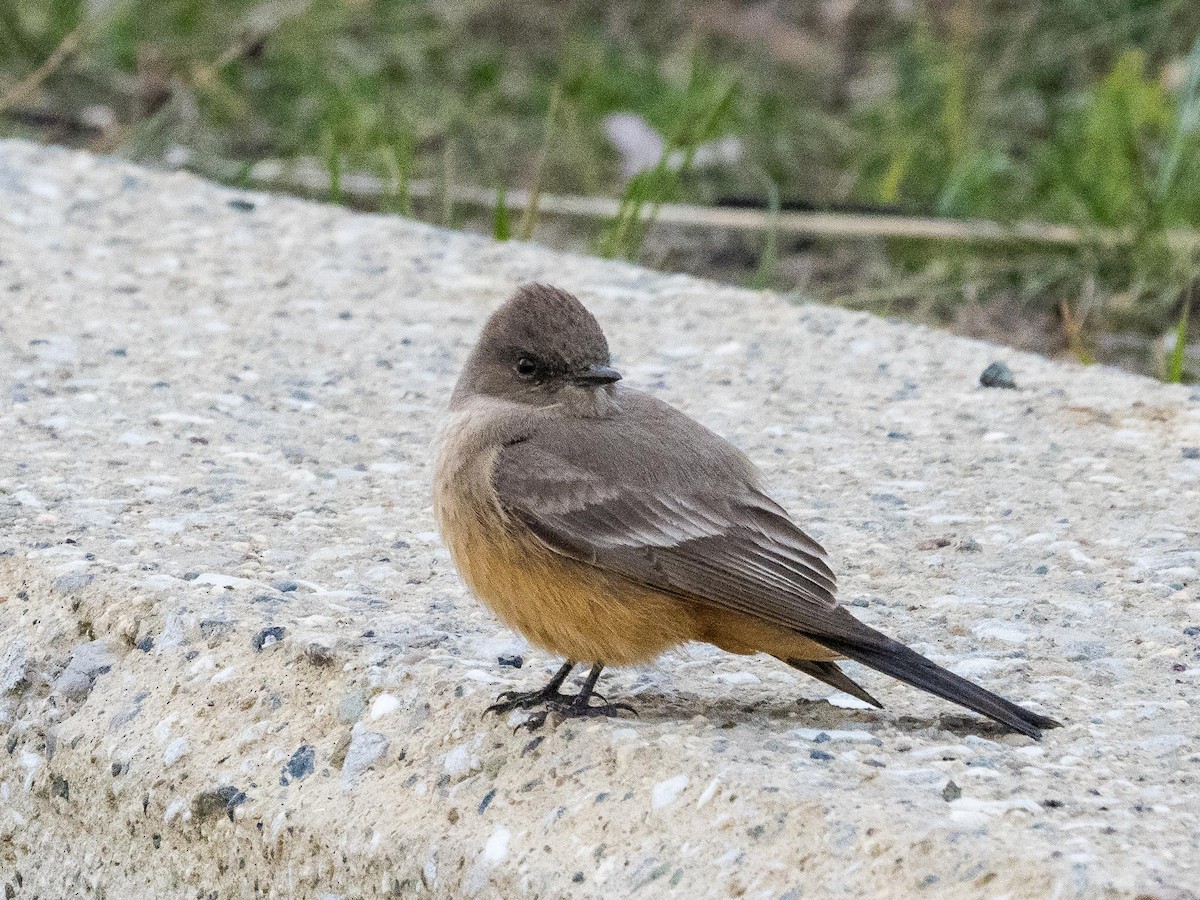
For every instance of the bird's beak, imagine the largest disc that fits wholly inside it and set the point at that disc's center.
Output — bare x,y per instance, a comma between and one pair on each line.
597,375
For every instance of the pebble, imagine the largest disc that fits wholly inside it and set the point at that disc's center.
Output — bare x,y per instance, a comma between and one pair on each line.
69,584
175,751
88,662
366,748
351,707
998,375
666,792
301,763
460,761
266,637
14,666
211,629
383,705
496,847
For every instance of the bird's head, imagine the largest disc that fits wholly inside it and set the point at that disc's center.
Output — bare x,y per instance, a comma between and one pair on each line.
541,347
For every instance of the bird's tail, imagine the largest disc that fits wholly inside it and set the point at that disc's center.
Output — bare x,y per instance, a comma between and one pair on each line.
893,658
829,673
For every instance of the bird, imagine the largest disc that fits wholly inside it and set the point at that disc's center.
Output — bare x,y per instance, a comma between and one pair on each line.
608,527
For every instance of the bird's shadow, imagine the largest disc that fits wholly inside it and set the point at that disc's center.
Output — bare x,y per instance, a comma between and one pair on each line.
727,713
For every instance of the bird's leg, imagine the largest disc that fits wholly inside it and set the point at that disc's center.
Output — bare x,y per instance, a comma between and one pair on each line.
581,704
567,705
510,700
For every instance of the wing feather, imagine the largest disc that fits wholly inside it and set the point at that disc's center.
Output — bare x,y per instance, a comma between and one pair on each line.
732,547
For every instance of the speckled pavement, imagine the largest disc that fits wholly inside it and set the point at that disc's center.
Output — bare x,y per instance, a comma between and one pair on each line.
235,660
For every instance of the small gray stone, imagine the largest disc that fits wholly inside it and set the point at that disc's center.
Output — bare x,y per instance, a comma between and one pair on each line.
72,685
69,584
268,636
215,628
285,587
351,708
998,375
88,662
302,763
366,747
14,666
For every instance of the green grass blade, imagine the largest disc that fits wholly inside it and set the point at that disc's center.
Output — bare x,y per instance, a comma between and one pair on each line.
501,230
333,164
1174,374
529,216
764,276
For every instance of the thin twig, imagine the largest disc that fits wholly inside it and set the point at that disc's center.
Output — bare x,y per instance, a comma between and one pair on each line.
529,217
305,177
34,79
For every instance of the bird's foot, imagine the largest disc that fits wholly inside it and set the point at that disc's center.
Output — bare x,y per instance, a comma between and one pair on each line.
579,706
510,700
568,706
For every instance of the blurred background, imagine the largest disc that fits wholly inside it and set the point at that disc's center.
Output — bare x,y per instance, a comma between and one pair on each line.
1026,171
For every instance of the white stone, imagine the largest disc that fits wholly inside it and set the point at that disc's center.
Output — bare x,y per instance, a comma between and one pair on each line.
176,750
383,705
666,792
496,847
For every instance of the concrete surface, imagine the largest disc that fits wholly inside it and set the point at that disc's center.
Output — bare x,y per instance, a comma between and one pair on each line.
235,660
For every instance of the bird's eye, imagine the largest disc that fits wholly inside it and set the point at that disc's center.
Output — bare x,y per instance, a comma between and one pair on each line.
526,367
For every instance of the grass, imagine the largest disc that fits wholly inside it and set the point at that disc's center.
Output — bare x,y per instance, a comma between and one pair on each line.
766,273
1080,112
697,117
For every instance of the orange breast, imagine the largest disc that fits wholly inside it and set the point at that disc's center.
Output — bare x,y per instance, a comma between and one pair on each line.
563,606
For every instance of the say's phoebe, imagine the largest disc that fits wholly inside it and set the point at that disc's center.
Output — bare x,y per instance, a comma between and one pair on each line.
607,526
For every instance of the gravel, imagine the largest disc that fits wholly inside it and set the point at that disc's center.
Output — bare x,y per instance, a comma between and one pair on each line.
998,375
266,436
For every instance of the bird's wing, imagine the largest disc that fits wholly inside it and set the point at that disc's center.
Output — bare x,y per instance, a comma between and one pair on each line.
659,499
718,540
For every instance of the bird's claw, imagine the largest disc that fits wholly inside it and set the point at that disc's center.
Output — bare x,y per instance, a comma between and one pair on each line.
510,700
575,707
